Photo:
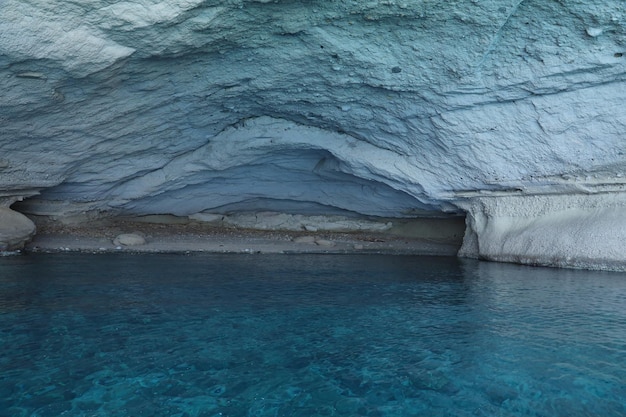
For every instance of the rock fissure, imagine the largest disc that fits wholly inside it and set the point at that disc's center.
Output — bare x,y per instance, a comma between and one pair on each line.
496,37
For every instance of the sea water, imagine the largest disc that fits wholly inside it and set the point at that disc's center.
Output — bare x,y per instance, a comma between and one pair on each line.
307,335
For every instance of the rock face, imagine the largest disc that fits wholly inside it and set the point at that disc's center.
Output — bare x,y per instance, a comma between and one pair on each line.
15,230
580,231
379,108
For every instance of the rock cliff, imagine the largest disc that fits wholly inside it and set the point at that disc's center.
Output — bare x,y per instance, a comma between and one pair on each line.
379,108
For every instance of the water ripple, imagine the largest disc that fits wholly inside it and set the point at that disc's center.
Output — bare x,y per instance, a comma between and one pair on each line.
117,335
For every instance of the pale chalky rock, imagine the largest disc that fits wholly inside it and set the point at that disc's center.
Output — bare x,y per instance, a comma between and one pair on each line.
341,108
15,229
304,239
579,231
129,239
325,243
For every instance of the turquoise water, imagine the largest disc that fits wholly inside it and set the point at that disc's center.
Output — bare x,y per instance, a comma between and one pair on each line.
307,335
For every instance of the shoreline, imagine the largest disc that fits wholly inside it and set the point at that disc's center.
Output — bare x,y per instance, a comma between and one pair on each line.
191,237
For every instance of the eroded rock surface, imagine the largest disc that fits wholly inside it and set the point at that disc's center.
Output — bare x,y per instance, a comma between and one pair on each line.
15,230
380,108
580,231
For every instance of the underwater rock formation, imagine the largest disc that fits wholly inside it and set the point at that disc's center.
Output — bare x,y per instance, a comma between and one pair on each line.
376,108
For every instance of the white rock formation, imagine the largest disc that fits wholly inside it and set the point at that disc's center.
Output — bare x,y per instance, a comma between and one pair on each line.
382,108
129,239
580,231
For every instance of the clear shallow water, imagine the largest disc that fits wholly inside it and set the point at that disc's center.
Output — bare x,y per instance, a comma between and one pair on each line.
307,335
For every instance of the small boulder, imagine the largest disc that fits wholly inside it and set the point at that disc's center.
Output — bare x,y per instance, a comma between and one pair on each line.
15,229
129,239
324,242
305,239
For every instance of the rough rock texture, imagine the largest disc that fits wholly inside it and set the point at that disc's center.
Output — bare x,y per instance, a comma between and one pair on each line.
580,231
380,108
294,222
15,230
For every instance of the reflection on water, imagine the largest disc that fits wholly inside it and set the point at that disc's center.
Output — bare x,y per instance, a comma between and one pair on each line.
306,335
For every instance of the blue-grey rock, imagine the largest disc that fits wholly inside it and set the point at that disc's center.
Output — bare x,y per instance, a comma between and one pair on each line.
15,230
389,109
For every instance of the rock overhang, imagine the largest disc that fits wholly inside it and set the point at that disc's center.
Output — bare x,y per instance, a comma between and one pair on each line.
378,108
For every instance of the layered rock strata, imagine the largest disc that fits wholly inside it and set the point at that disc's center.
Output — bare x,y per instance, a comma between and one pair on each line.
375,108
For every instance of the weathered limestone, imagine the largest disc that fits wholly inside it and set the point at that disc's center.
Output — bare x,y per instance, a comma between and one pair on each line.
340,108
15,229
580,231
